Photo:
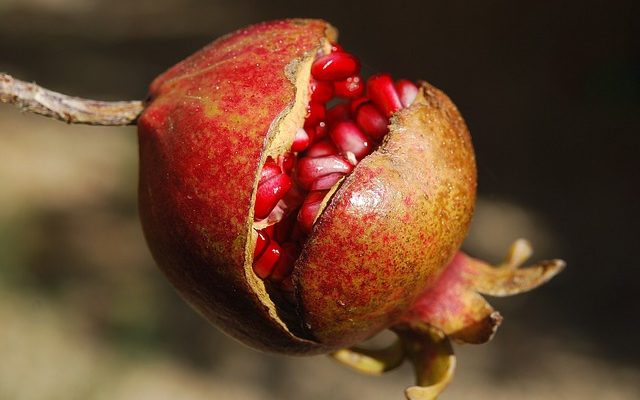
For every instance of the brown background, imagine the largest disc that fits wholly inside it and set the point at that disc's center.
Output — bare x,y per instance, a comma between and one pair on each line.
550,90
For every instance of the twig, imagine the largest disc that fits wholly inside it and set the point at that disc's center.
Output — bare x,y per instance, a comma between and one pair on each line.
73,110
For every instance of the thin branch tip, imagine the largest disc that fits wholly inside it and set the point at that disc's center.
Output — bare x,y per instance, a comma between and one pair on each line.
73,110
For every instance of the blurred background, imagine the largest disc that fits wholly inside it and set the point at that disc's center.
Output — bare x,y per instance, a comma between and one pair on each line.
550,91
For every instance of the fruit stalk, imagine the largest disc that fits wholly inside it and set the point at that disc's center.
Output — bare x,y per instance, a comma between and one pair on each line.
72,110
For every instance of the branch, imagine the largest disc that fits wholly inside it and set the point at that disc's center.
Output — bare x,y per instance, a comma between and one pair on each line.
73,110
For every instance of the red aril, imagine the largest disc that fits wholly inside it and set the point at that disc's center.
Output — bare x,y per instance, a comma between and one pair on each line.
383,93
407,91
335,47
372,121
349,88
339,112
261,244
357,103
269,193
321,91
282,230
311,168
321,148
326,182
287,161
284,266
300,141
349,138
269,170
315,114
264,265
335,66
310,208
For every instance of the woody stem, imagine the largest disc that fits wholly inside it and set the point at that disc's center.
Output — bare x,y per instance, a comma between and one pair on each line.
73,110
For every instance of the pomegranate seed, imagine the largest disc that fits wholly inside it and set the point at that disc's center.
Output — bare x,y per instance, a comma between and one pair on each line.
310,169
287,162
321,148
315,114
317,132
383,94
269,170
349,138
320,131
321,91
311,133
309,209
357,103
282,229
269,230
269,193
290,201
372,122
407,91
349,88
335,66
337,113
285,264
264,265
326,182
261,243
301,141
335,47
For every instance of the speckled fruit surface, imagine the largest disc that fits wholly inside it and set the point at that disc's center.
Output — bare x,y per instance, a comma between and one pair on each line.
387,232
392,226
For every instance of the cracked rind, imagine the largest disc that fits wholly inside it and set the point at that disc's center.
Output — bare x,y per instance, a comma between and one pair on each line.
402,214
454,304
204,134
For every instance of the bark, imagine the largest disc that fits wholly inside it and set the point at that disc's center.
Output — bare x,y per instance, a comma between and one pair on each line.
73,110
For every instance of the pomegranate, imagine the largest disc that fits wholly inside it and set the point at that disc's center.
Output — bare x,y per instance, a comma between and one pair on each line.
303,208
321,254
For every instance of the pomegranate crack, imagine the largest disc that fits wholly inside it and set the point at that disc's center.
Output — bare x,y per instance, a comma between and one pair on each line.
347,118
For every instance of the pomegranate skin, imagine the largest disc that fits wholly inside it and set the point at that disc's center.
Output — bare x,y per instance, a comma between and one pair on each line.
392,227
200,152
387,233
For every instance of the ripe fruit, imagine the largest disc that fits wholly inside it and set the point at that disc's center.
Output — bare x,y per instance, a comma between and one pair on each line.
302,226
373,217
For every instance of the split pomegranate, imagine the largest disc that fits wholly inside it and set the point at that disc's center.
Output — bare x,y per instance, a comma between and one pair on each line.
299,205
303,207
324,152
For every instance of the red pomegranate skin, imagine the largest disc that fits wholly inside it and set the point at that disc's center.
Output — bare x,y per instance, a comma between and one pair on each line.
392,227
385,236
201,138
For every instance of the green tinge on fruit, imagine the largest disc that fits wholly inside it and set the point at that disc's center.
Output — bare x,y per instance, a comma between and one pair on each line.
392,227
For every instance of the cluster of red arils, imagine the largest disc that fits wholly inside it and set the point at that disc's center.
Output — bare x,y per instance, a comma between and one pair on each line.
347,118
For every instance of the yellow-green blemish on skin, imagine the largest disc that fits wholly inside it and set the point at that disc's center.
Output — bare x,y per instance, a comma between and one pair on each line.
211,108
